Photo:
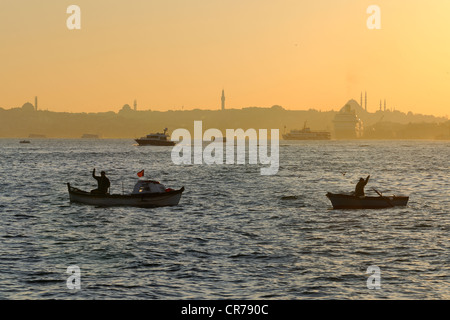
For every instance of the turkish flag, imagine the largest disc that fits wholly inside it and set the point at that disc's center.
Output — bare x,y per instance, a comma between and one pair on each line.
140,173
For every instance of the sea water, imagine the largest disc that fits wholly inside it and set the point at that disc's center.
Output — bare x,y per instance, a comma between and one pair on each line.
235,234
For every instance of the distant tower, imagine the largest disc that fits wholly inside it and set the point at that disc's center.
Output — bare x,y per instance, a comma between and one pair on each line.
384,104
223,99
361,101
35,103
365,102
380,105
135,105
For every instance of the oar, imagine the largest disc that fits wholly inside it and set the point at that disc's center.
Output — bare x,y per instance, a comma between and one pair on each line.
385,198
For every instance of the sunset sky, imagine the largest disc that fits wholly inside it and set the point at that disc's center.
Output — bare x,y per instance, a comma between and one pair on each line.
173,53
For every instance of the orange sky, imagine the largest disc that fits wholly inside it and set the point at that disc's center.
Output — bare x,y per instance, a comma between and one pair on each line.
173,53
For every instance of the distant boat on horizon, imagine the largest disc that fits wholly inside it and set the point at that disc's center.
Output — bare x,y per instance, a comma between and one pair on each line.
307,134
89,136
156,139
24,141
442,137
34,135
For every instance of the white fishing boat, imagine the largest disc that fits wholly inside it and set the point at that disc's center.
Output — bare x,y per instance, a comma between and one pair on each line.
146,193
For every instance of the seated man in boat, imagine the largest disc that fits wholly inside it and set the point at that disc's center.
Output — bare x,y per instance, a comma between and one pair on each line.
103,183
359,190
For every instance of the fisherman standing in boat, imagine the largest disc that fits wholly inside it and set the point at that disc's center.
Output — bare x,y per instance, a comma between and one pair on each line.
103,183
359,190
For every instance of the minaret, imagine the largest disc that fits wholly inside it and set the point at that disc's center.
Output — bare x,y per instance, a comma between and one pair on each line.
365,102
384,104
360,103
380,105
135,105
223,99
35,103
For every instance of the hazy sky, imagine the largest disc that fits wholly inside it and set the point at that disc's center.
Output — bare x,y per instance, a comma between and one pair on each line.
173,53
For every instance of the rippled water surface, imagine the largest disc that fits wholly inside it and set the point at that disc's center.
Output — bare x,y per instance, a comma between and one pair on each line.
235,234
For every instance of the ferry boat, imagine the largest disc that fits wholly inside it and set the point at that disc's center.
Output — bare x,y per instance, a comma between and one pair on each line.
307,134
156,139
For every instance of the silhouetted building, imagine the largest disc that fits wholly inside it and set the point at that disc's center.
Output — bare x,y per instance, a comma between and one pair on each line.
135,105
35,103
347,124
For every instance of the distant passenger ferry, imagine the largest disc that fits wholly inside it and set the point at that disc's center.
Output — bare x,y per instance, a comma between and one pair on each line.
156,139
307,134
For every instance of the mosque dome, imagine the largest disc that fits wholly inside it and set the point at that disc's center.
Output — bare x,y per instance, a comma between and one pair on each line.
125,109
352,106
28,107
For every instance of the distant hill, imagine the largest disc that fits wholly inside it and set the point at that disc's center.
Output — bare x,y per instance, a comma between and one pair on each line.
127,123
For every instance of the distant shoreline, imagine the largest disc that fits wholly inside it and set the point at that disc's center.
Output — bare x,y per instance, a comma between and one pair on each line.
293,142
26,122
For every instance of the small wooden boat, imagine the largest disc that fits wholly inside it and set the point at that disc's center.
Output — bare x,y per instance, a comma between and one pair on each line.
348,201
24,141
146,194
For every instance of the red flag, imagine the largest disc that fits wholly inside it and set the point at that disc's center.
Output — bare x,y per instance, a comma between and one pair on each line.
140,173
